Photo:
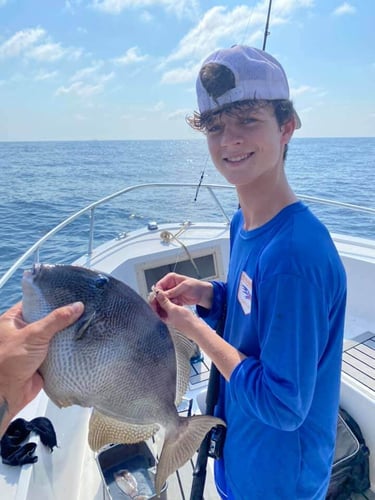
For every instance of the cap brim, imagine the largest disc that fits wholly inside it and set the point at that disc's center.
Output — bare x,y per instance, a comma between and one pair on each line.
297,120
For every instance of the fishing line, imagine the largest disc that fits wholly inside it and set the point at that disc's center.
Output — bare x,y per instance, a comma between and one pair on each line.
247,28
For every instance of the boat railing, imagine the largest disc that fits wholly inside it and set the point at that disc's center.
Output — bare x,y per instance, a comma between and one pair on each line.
90,209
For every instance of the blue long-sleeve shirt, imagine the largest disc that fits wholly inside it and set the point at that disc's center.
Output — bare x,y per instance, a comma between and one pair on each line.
285,298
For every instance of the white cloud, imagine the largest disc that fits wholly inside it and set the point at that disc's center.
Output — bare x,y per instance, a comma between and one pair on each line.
131,56
50,52
47,52
179,7
112,6
289,5
345,8
43,75
87,72
32,43
217,23
183,7
21,41
302,89
218,27
82,89
180,75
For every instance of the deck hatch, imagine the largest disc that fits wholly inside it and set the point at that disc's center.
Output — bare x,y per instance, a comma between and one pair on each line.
205,265
199,372
358,361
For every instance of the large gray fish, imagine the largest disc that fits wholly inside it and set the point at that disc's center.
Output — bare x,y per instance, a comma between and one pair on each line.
119,359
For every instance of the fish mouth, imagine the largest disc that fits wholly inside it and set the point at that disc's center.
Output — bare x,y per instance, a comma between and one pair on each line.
30,274
238,157
32,297
33,273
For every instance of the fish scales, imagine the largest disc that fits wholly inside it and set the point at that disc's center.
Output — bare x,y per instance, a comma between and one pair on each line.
120,359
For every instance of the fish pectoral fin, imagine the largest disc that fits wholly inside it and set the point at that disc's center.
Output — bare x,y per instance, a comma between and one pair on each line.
83,324
105,430
185,350
179,446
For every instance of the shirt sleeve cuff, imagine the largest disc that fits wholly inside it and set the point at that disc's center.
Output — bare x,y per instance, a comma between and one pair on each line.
211,316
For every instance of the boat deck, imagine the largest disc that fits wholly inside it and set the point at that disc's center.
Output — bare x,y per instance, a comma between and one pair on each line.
179,484
359,360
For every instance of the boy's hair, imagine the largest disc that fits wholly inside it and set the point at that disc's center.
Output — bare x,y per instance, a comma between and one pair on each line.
282,108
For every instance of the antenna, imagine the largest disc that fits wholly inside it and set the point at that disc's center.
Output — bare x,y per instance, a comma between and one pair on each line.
266,32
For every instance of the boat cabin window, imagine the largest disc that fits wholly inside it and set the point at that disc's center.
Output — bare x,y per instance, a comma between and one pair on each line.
204,269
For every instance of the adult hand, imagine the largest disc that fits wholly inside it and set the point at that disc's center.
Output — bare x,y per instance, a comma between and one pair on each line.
23,348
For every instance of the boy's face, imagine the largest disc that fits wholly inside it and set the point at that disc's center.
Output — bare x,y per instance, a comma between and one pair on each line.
247,144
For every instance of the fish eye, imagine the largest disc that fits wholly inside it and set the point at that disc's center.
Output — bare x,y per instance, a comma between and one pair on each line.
101,281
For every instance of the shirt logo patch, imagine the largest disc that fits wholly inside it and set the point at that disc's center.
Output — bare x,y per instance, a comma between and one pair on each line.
244,293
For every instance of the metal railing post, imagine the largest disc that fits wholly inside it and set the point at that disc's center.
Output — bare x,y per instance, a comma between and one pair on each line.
91,234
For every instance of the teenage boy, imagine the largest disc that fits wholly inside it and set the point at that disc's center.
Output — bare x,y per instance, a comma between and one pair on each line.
280,357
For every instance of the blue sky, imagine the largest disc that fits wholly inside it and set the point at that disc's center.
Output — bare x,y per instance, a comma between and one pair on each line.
125,69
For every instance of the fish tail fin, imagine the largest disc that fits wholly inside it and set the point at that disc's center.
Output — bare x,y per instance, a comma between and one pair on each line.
181,445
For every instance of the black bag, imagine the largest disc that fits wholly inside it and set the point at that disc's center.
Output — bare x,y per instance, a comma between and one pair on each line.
350,469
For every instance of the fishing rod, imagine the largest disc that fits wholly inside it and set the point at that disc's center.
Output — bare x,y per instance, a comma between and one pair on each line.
212,442
266,32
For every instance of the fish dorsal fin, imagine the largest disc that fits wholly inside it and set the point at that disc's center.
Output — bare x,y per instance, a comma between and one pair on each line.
83,324
105,430
185,350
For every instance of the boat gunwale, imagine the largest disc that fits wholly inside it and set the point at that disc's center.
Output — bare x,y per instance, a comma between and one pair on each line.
34,249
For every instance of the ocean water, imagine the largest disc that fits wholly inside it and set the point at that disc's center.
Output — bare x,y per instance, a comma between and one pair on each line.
42,183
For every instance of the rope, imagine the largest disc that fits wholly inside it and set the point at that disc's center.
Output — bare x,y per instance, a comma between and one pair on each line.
167,236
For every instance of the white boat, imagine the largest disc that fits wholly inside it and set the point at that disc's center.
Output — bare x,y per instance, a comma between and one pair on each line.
198,248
